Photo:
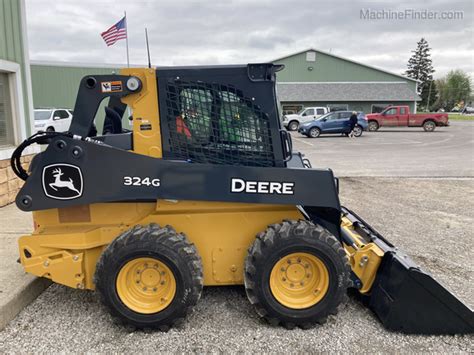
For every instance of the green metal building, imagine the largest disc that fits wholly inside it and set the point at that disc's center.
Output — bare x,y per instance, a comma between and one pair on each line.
316,78
15,85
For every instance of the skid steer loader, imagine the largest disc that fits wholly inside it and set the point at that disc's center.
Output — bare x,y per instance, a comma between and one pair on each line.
205,190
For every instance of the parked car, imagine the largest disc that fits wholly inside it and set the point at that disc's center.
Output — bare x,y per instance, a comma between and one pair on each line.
334,122
53,119
292,122
400,116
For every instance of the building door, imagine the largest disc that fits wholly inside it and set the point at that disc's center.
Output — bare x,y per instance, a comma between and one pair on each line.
6,123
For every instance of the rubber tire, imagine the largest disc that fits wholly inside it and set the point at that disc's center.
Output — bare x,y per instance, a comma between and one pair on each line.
50,129
285,238
425,125
314,129
361,131
171,248
291,126
373,126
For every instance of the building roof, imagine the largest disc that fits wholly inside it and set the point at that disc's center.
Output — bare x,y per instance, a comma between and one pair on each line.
346,91
342,58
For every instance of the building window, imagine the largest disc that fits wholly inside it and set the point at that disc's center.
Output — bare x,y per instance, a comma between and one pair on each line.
377,108
338,107
291,109
311,56
6,123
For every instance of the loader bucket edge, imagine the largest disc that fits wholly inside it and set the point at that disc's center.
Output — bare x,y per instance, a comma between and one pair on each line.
407,299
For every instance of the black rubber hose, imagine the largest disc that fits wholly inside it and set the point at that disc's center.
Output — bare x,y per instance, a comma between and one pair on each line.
40,138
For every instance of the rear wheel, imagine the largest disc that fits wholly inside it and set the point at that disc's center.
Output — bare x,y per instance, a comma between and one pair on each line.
314,132
358,131
296,274
429,126
293,125
150,277
373,126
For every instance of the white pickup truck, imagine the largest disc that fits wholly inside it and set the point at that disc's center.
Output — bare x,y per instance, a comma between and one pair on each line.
293,121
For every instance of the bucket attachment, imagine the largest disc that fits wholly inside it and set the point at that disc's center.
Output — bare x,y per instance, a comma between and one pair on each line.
407,299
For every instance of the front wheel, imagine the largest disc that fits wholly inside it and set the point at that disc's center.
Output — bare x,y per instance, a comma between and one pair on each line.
293,126
358,131
373,126
429,126
296,274
150,277
314,132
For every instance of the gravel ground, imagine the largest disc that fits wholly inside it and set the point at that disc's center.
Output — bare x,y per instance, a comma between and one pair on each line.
431,219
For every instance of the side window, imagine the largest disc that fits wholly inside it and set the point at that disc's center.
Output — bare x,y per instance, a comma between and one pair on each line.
331,116
391,112
343,115
216,124
195,114
320,111
309,112
403,110
61,114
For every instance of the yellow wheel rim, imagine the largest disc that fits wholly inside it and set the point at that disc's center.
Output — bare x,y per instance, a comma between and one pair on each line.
146,285
299,280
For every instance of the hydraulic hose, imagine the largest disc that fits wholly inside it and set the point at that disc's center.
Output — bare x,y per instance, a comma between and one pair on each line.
39,138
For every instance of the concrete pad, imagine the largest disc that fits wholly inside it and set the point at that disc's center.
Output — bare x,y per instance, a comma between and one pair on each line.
17,289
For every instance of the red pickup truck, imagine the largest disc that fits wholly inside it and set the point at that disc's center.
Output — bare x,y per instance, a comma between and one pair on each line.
400,116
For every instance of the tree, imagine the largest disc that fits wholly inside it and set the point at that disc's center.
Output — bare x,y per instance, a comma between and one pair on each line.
453,89
420,68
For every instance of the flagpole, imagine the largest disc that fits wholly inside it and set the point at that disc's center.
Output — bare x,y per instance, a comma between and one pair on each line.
126,39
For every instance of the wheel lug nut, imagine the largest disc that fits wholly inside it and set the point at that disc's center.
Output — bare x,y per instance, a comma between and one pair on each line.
306,266
144,288
138,271
299,260
162,273
292,285
302,283
282,269
283,279
154,289
162,283
289,261
137,282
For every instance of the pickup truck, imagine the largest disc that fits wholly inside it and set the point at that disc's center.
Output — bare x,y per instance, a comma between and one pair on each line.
293,121
400,116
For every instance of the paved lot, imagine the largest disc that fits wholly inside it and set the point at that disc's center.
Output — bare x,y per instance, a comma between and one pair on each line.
431,219
448,151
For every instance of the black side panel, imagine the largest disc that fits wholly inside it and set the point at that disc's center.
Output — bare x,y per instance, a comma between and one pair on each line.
76,172
220,115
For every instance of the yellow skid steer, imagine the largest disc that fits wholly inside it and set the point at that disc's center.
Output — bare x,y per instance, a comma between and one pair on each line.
206,190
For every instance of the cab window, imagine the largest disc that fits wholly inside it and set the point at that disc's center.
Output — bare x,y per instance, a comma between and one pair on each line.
403,110
309,112
61,114
392,111
219,125
320,111
343,115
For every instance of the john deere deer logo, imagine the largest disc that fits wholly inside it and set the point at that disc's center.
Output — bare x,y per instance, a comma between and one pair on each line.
62,181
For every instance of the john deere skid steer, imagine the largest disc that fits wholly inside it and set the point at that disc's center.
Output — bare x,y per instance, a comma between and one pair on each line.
205,190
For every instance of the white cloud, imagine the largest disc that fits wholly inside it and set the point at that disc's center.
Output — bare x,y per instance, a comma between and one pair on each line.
239,31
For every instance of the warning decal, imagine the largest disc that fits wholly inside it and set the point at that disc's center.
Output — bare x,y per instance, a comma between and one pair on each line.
111,86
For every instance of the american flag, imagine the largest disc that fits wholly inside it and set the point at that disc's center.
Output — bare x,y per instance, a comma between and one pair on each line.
116,32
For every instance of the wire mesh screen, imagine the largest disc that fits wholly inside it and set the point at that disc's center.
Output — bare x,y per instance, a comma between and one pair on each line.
217,124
